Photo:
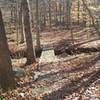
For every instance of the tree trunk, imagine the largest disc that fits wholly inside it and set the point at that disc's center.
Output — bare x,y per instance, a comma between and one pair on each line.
37,26
68,2
17,23
6,76
21,22
28,32
22,29
60,12
56,11
78,11
63,19
50,13
90,14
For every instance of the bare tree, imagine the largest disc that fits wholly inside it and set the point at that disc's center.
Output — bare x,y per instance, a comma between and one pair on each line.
37,25
68,9
49,13
6,76
91,16
78,11
21,24
28,32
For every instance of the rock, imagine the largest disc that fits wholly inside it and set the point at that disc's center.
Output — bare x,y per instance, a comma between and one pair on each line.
22,95
37,74
19,72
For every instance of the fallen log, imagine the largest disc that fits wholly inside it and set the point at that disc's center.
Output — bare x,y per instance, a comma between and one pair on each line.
79,50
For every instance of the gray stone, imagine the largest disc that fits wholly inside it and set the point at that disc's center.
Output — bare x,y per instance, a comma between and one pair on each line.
19,72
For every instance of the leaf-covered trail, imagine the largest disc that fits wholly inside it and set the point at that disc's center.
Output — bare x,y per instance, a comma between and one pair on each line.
66,78
71,78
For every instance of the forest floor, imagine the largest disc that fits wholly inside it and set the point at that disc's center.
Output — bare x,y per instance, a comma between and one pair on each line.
69,77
